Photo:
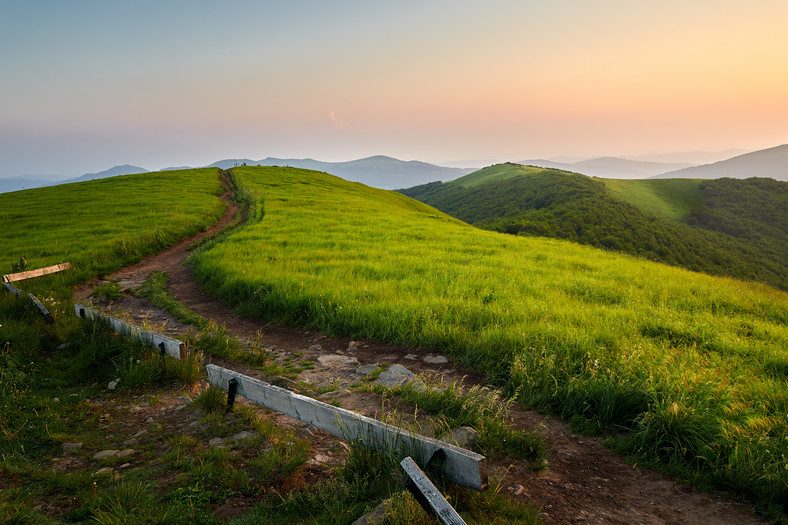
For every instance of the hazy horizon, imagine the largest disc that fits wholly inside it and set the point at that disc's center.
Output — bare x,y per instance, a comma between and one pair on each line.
94,84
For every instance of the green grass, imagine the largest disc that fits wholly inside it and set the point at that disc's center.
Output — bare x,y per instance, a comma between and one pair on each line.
100,226
607,340
672,199
496,172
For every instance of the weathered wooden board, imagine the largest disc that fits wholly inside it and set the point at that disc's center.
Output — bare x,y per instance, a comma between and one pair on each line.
14,290
12,277
41,308
463,467
431,494
172,347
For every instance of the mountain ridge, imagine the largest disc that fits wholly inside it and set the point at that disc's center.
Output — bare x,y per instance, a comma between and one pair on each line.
770,162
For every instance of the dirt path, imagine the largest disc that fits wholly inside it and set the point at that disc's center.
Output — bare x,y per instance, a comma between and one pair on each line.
584,483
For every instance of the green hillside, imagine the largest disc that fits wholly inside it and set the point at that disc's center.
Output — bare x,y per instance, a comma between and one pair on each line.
672,199
693,366
734,228
102,225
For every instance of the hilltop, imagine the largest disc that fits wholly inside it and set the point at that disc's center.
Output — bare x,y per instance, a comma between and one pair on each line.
728,227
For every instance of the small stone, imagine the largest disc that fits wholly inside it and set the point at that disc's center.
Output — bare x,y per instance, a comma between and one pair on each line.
329,396
375,517
63,346
434,359
337,361
104,454
127,453
464,437
216,442
70,448
112,385
396,375
340,352
140,433
180,407
412,357
104,471
315,348
125,465
519,489
244,434
352,345
365,370
56,400
149,420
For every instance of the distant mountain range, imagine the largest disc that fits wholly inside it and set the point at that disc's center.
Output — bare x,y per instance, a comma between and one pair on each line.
772,163
378,171
390,173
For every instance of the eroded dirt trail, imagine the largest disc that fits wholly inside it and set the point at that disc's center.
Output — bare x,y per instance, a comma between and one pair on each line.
584,482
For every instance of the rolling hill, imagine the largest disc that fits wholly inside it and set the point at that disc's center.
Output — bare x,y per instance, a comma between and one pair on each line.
772,163
687,371
732,228
611,341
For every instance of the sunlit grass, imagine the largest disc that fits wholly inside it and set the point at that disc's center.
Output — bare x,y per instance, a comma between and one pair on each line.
102,225
611,341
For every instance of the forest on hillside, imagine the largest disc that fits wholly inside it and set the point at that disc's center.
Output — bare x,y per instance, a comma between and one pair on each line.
741,231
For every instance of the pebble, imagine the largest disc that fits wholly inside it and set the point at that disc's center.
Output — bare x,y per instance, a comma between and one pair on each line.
244,434
434,359
71,447
329,396
104,454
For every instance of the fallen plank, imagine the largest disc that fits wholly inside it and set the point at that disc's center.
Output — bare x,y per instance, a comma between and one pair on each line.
14,290
431,494
12,277
172,347
463,467
41,308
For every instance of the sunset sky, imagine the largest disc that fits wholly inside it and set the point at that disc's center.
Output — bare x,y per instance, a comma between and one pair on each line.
86,85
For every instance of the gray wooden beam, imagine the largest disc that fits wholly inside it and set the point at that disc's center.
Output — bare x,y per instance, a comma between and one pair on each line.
14,290
172,347
461,466
11,277
431,494
41,308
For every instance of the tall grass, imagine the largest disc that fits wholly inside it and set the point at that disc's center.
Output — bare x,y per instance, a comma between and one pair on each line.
684,361
102,225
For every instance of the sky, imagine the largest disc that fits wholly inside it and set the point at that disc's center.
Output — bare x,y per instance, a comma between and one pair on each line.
89,84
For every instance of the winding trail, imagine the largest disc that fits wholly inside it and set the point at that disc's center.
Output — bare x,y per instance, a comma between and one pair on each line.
584,482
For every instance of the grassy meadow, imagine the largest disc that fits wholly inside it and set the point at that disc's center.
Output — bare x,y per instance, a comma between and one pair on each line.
102,225
693,367
54,390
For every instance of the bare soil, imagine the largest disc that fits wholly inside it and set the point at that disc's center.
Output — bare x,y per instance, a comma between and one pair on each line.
584,482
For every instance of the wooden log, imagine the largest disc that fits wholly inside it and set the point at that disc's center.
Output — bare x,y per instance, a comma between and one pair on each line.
430,493
463,467
172,347
14,290
41,308
12,277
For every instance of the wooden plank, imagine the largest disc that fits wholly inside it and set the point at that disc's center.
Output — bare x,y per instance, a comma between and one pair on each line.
12,277
172,347
431,494
14,290
42,309
463,467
